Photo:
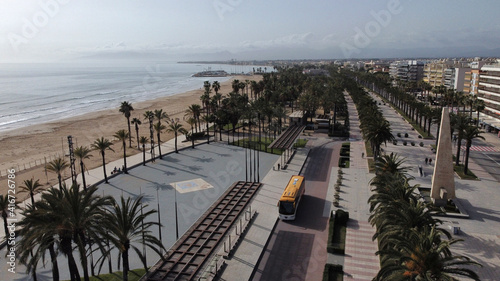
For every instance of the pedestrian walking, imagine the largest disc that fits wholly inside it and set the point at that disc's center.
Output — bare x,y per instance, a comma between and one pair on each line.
426,160
420,170
430,160
362,155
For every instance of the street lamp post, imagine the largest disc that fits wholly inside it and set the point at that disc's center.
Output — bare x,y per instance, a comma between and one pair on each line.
176,222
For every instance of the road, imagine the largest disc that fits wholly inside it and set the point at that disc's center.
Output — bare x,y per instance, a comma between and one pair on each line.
296,250
488,160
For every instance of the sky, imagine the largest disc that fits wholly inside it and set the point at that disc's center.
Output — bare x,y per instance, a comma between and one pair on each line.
68,30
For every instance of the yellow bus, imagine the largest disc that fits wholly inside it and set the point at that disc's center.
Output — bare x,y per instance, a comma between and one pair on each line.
289,201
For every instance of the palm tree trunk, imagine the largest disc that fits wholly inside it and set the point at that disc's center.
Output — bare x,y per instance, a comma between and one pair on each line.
124,158
83,175
137,135
83,255
125,265
129,133
459,144
32,203
159,145
68,251
143,155
466,164
175,142
55,265
60,180
104,167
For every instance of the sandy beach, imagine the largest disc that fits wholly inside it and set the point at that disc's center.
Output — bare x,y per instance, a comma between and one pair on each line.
26,146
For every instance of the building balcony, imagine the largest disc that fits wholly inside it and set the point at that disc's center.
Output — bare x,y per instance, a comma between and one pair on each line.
486,97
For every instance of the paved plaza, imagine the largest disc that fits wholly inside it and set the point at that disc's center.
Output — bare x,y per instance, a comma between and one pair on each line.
195,178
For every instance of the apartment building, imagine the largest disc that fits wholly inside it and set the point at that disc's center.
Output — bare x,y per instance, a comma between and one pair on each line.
471,78
454,78
434,72
410,71
489,92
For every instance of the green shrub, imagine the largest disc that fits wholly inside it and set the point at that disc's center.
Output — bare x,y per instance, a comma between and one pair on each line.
421,144
412,143
342,217
337,232
399,135
405,143
195,136
395,142
406,135
333,272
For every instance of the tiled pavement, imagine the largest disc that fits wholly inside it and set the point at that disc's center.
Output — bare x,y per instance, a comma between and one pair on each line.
360,261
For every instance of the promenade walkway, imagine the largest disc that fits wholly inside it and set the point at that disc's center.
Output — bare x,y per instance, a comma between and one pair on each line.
360,261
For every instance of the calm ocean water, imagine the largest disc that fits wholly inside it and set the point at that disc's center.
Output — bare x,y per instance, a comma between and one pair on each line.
37,93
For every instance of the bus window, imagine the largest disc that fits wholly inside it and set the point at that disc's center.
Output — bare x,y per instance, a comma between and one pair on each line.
286,208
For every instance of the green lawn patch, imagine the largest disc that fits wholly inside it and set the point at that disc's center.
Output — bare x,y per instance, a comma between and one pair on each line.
371,165
344,162
460,172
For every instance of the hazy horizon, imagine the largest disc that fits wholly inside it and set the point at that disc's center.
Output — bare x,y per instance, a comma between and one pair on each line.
65,30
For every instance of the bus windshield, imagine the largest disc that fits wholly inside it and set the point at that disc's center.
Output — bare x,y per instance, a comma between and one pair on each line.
286,208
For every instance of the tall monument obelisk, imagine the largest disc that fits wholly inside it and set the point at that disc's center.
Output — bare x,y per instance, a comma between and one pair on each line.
443,179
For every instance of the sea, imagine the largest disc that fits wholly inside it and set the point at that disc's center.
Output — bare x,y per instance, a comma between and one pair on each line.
35,93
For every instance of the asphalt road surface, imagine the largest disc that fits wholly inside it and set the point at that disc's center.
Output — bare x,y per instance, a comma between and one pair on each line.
297,249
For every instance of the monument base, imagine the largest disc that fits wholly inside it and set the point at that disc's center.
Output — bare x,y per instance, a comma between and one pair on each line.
439,202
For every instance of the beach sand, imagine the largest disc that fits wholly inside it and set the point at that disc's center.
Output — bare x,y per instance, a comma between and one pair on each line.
26,146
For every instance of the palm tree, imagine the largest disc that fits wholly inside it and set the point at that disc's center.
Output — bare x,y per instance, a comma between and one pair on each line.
123,135
377,133
143,140
160,115
126,109
77,218
192,122
31,186
57,166
176,128
462,121
216,86
4,209
81,153
479,106
471,132
194,111
424,255
159,127
127,226
149,115
102,145
137,122
36,238
205,100
391,164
